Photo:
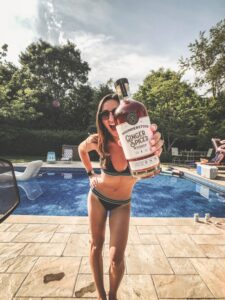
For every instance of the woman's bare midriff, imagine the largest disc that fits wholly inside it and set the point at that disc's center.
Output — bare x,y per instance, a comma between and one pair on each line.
115,187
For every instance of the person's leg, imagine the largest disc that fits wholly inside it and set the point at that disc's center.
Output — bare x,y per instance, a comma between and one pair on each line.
97,221
119,229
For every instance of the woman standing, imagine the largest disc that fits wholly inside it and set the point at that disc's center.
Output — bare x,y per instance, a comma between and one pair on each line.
110,192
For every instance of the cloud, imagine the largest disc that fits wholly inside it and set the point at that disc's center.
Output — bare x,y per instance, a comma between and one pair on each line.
17,25
110,59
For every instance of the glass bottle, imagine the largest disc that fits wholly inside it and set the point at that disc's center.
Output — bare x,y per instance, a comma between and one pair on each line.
133,127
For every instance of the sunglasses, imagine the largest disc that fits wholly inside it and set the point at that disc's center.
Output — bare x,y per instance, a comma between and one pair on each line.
104,115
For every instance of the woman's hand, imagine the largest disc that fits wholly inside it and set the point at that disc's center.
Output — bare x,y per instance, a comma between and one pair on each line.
93,179
156,141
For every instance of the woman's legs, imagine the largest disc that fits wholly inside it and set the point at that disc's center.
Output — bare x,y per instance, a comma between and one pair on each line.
97,220
119,229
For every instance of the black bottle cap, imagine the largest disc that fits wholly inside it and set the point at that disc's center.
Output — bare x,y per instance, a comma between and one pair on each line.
121,81
122,87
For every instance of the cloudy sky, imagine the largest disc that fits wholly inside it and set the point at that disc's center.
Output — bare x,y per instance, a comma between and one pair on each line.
118,38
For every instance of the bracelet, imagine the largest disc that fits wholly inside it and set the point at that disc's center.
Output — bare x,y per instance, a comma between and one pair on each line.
90,173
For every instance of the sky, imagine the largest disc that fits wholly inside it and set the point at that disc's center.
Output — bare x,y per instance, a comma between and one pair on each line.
118,38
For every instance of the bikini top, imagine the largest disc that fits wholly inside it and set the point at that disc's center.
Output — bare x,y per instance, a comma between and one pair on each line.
110,170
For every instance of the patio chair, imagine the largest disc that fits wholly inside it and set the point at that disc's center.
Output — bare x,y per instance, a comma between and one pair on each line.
51,157
176,156
67,155
207,156
9,193
31,171
219,146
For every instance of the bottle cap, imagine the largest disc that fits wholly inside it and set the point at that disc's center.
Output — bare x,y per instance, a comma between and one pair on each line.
121,80
122,87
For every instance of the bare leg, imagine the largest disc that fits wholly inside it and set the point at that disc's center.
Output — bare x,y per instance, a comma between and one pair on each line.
119,228
97,221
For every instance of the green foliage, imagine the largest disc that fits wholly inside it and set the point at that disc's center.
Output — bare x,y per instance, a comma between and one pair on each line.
208,59
98,93
22,141
173,105
47,74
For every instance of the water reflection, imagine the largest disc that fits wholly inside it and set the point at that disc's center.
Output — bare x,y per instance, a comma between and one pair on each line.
205,192
202,190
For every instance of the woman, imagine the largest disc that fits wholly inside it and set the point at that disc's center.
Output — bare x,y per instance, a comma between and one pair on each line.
110,192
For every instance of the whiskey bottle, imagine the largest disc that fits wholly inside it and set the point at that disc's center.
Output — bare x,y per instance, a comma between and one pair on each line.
133,127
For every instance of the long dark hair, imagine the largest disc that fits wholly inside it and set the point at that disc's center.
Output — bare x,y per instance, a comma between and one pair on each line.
103,134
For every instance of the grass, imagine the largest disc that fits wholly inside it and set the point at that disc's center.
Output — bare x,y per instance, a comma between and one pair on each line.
20,158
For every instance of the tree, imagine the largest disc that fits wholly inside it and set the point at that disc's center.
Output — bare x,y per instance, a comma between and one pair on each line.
11,107
173,105
47,87
208,59
98,93
57,73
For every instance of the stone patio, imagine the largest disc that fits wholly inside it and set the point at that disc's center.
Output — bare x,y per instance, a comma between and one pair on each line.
166,258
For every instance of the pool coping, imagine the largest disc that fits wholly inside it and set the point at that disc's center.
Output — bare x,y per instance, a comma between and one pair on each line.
74,166
212,185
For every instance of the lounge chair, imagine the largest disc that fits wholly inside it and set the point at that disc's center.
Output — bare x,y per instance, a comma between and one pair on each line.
31,171
31,188
67,155
9,193
219,146
51,157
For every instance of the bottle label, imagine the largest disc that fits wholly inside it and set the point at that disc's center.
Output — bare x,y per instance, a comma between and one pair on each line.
145,163
135,138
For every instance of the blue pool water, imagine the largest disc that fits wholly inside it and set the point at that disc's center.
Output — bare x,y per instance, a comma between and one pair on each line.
64,194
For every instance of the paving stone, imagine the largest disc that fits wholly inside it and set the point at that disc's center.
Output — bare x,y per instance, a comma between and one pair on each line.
213,250
11,250
5,262
9,284
22,264
196,228
209,239
85,265
181,286
211,271
73,228
146,259
77,245
16,227
6,236
29,298
44,249
149,239
85,286
34,285
136,287
60,238
29,219
179,245
4,226
161,221
133,237
152,229
182,266
22,298
36,233
64,298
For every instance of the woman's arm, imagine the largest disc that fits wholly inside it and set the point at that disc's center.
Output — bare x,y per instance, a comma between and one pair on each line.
84,148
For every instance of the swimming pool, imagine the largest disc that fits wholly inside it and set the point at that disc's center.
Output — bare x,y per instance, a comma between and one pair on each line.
64,193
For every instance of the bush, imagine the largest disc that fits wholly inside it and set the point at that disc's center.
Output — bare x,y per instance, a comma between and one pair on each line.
21,141
165,157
